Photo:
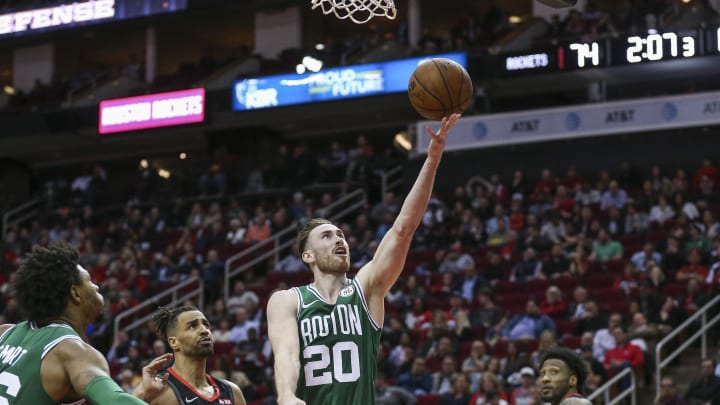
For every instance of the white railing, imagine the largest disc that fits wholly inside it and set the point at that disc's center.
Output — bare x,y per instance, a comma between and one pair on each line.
171,297
282,240
22,212
605,388
705,325
390,180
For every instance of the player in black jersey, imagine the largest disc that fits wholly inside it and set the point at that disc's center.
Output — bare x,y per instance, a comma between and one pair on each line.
562,377
188,333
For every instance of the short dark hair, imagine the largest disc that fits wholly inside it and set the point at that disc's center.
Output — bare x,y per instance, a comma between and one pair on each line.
305,231
572,360
43,281
166,318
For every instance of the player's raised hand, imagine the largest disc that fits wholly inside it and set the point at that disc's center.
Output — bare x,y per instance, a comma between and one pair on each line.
438,138
152,384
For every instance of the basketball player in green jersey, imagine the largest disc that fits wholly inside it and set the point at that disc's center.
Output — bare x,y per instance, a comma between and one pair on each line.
325,335
562,377
44,360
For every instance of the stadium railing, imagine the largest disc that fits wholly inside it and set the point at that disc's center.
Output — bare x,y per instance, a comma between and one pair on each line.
606,389
191,288
708,310
23,212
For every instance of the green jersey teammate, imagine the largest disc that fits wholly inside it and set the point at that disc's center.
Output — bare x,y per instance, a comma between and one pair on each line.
44,360
325,335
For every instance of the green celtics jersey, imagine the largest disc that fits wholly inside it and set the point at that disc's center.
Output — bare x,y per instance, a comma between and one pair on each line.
22,349
338,348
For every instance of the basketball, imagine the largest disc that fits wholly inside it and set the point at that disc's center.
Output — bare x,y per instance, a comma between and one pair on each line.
439,87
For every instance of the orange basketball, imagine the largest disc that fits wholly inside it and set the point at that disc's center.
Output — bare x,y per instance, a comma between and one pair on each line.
439,87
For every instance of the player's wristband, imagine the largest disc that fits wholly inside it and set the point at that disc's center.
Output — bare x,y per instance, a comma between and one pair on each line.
104,391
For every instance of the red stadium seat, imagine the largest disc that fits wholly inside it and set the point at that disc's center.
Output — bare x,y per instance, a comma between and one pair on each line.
428,399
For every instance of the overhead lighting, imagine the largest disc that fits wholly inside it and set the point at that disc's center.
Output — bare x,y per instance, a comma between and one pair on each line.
300,69
652,31
319,47
402,141
183,156
514,19
9,90
164,173
312,64
144,163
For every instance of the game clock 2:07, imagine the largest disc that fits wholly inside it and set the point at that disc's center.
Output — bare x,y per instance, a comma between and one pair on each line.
660,46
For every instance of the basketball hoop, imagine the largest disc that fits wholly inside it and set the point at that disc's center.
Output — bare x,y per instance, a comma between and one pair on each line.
358,11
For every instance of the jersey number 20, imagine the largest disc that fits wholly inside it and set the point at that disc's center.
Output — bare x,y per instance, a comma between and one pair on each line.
317,371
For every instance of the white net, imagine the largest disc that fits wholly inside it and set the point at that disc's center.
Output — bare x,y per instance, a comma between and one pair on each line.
358,11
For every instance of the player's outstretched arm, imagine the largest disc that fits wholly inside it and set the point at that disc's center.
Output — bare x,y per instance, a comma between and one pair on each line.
283,333
378,276
89,373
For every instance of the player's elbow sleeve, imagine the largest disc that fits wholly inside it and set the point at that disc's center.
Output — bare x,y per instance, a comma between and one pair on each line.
103,390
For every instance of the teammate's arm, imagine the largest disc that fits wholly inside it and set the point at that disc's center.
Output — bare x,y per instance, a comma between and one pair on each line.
90,375
378,276
283,333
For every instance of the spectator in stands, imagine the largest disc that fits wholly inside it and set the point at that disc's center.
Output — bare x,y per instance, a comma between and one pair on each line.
291,263
694,270
240,330
444,378
474,365
636,221
640,258
630,278
557,264
240,296
554,305
212,274
522,395
470,282
591,320
487,313
418,380
491,226
623,355
711,227
662,212
604,339
693,298
705,387
490,391
495,268
530,268
222,333
672,256
456,260
237,231
511,364
577,307
597,374
554,228
529,324
614,196
391,395
605,248
259,228
460,393
388,205
668,394
615,222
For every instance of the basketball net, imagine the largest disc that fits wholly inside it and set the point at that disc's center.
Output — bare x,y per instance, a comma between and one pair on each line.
358,11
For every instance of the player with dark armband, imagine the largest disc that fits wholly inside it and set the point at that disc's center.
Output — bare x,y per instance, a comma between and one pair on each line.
44,360
562,377
325,335
188,333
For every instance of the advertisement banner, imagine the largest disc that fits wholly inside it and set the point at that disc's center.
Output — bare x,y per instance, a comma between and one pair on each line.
72,14
329,85
579,121
152,111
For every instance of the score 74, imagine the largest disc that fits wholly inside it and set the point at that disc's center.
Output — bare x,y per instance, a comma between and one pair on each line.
586,51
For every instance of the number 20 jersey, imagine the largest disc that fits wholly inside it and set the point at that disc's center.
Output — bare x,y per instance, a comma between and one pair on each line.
338,347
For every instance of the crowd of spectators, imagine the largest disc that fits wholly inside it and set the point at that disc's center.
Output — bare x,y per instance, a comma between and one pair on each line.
500,270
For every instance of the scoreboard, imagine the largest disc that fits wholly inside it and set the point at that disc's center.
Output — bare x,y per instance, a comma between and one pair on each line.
622,51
